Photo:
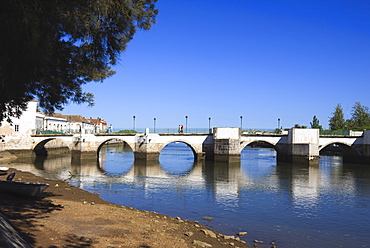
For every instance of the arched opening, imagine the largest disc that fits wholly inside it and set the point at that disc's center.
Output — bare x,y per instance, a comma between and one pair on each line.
259,152
258,159
49,147
177,158
115,157
340,151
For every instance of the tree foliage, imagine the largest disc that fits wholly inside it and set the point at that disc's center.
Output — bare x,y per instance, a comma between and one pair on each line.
299,126
50,48
360,119
360,116
337,122
315,123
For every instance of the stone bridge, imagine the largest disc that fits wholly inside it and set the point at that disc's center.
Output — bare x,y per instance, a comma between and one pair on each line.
222,144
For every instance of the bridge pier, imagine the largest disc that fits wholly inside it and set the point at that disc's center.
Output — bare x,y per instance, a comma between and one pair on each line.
301,146
147,156
366,147
226,144
200,156
147,147
84,155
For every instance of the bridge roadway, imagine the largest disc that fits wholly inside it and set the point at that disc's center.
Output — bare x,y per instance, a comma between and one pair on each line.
221,144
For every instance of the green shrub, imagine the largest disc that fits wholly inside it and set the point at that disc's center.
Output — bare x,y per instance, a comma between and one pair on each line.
127,131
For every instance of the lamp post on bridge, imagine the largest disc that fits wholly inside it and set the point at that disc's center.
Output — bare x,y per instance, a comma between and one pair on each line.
241,123
154,123
133,124
209,124
186,124
278,123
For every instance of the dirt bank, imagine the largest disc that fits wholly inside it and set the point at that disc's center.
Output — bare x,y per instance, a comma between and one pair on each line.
67,216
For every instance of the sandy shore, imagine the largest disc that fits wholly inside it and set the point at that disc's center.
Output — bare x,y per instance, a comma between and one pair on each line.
67,216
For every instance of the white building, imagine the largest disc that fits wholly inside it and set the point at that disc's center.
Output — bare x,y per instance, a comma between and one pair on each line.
54,123
25,124
33,122
78,124
100,125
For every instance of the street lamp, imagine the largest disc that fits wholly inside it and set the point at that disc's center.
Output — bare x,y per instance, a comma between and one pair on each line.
241,123
209,124
154,123
133,124
186,124
278,123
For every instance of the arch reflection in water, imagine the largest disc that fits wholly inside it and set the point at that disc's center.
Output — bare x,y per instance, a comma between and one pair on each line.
153,169
177,159
116,158
259,161
54,167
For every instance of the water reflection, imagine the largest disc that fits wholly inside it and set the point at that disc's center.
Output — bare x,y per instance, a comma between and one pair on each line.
116,158
325,205
177,158
224,180
55,167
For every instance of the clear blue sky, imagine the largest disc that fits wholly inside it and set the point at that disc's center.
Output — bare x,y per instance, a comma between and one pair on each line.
260,59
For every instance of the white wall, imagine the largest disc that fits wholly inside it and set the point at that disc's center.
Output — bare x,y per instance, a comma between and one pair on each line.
25,124
226,132
55,124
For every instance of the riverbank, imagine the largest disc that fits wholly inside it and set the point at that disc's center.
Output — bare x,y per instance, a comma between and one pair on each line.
67,216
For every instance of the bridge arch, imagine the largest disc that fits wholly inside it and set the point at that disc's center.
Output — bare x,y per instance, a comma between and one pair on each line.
183,165
102,143
193,149
41,149
347,150
258,143
115,157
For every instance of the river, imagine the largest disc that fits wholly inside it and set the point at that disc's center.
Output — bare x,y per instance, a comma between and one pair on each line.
325,205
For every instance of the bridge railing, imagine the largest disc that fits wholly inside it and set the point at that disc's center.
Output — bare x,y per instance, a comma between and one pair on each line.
166,130
193,130
341,132
67,131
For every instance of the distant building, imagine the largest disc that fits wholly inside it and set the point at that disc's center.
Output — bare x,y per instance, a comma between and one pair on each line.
55,123
32,122
79,123
100,125
68,123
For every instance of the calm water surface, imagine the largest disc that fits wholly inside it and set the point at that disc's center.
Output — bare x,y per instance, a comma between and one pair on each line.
325,205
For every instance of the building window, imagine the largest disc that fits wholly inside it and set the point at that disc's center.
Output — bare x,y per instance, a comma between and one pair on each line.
16,128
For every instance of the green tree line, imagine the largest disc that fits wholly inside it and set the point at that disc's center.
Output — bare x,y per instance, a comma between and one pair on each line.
360,119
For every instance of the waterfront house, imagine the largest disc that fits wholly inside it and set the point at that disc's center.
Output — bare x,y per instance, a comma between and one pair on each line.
26,124
33,121
79,124
100,125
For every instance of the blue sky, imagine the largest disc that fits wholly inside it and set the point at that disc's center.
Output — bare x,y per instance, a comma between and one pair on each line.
260,59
